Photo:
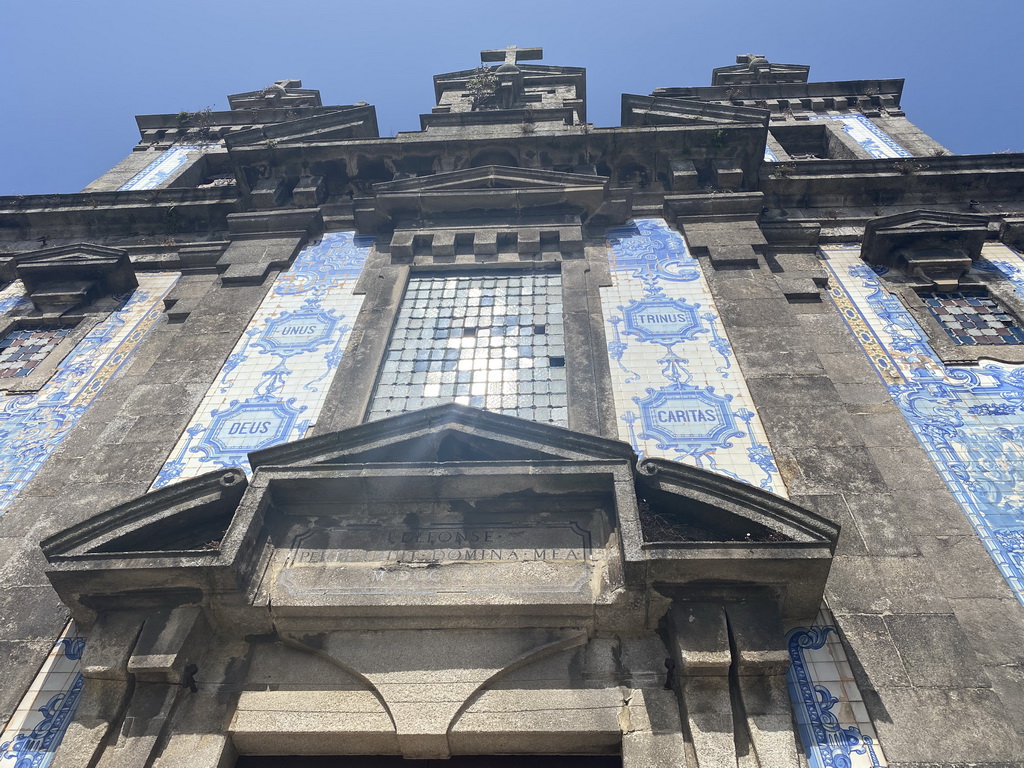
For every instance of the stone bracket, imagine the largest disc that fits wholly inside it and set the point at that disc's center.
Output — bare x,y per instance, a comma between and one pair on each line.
263,242
731,659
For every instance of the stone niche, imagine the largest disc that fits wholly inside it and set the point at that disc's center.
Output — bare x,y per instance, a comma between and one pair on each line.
445,582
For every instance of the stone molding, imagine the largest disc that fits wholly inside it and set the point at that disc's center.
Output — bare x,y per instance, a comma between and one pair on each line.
936,247
69,276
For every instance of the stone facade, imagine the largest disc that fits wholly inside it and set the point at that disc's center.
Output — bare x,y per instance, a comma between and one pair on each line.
516,440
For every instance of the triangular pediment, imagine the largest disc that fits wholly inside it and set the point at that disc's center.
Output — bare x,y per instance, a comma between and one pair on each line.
186,517
687,506
78,254
491,177
928,220
936,246
444,433
354,122
484,190
532,73
210,536
655,110
61,278
753,68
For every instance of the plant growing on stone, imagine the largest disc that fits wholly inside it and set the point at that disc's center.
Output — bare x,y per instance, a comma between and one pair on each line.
196,125
482,86
907,167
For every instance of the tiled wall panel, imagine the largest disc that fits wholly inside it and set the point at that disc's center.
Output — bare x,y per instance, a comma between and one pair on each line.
831,718
273,384
33,425
868,135
970,419
163,167
38,724
679,392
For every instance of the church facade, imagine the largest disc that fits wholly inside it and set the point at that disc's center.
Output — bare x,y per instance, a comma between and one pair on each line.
515,440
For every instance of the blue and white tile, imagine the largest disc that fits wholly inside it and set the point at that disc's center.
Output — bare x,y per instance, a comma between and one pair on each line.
273,385
970,419
165,166
13,296
32,426
831,717
872,138
679,392
37,726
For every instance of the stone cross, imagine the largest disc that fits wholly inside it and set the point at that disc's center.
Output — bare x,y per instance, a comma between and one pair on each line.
511,54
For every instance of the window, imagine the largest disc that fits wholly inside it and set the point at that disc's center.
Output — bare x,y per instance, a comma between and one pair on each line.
23,349
493,341
973,318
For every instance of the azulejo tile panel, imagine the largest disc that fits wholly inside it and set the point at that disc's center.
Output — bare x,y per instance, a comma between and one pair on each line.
679,392
274,382
33,425
868,135
23,349
163,167
970,419
831,718
38,724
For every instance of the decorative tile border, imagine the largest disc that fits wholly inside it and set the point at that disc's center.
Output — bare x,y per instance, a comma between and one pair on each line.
679,394
868,135
32,426
831,718
38,724
164,166
274,383
970,419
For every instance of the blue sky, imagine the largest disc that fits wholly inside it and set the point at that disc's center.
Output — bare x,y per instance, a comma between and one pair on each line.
76,73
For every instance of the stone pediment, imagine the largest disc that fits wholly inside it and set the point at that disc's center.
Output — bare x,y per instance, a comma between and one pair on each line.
444,433
187,518
282,93
449,506
487,189
530,72
656,110
355,122
755,68
61,278
936,246
491,177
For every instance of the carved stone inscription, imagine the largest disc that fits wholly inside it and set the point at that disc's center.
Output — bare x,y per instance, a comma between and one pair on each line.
554,553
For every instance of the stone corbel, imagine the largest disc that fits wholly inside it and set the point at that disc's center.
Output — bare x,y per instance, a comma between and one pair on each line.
700,646
106,688
761,661
265,241
60,279
936,247
731,664
135,685
1011,232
